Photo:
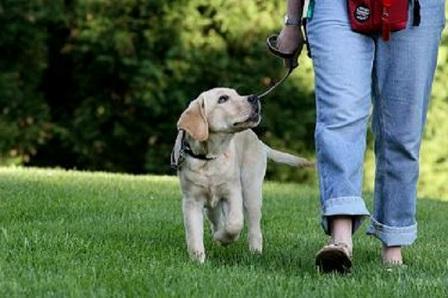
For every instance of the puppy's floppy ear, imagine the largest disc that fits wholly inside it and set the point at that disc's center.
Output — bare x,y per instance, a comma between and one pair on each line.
194,121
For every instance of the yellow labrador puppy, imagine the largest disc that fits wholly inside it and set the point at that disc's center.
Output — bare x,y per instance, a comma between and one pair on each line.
221,165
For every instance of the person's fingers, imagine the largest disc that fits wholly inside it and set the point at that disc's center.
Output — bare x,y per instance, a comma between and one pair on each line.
288,39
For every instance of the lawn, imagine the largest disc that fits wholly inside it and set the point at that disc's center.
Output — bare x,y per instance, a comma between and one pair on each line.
78,234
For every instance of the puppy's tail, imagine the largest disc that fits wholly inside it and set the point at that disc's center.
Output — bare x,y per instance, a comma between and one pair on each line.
286,158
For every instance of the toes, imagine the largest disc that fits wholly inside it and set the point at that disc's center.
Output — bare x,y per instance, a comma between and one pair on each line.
198,256
258,250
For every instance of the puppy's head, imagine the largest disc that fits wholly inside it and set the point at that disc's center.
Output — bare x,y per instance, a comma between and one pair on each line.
220,110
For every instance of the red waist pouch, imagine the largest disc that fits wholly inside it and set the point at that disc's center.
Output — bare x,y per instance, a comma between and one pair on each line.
380,16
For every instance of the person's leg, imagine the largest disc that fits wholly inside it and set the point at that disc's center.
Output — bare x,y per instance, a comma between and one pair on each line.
341,229
403,73
343,62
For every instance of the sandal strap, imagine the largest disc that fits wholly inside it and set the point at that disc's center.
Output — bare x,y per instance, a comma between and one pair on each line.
340,245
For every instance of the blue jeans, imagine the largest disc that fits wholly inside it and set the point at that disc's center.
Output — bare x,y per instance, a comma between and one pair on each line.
358,76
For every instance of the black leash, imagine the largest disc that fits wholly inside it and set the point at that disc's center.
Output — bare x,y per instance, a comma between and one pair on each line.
276,84
291,61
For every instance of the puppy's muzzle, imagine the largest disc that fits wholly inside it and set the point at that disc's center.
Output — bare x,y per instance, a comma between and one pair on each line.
254,101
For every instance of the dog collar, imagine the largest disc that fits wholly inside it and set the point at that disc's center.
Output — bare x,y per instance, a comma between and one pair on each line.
187,150
181,147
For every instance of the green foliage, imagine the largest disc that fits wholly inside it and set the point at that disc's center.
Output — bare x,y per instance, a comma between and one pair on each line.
24,112
99,84
434,153
108,79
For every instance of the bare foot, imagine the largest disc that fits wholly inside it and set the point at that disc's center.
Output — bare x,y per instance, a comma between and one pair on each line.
392,255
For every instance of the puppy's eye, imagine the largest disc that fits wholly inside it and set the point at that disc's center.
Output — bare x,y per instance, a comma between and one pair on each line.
223,98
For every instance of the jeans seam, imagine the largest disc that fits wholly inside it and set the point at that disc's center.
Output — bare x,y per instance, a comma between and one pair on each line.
320,167
337,201
343,198
382,133
385,229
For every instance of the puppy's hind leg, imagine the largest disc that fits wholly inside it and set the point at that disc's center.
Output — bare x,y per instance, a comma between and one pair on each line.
216,217
233,220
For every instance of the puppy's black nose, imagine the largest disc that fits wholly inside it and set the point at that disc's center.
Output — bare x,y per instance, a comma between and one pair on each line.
252,98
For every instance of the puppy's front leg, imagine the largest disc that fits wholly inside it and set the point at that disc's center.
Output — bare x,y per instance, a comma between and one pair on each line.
252,205
194,228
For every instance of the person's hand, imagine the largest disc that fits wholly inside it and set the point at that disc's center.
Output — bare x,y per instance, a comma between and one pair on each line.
290,40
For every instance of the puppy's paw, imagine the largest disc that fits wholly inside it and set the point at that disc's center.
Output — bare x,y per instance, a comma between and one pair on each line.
256,244
197,256
256,250
224,238
220,241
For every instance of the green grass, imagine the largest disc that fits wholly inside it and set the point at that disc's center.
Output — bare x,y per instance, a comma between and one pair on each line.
95,234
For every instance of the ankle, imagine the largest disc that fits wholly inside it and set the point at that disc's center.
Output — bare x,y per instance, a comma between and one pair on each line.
341,229
346,240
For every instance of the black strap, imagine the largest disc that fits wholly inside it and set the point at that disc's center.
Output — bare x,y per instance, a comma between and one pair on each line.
187,149
181,147
291,58
276,84
416,18
305,31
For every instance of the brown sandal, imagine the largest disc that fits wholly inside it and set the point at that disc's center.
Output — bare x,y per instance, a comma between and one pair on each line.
334,257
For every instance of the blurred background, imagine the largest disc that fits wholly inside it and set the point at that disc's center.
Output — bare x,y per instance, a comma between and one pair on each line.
99,84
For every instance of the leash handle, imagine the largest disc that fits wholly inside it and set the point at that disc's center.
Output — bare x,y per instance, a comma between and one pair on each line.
291,61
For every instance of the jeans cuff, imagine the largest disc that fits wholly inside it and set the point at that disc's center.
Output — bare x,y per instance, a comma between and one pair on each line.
392,236
352,206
